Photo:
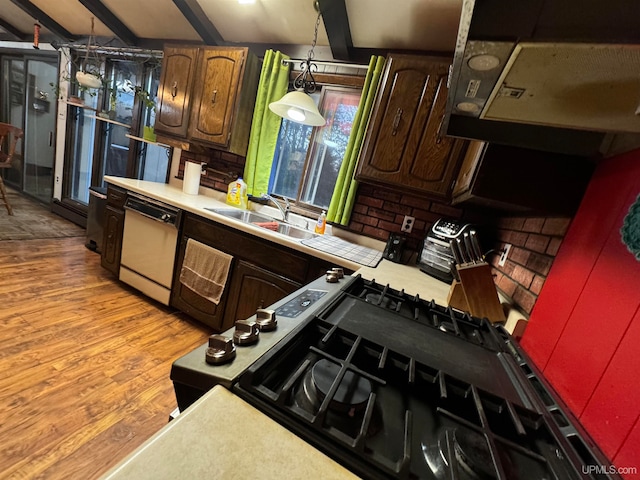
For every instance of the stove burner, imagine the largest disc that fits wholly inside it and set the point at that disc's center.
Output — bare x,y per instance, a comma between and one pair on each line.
472,452
353,391
466,451
347,407
385,303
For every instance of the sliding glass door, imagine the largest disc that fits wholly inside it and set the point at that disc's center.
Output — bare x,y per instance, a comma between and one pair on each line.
40,123
30,104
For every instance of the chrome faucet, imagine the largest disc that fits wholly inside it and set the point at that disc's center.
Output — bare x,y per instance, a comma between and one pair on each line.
284,211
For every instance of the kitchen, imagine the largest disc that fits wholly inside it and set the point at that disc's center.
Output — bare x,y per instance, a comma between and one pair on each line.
537,237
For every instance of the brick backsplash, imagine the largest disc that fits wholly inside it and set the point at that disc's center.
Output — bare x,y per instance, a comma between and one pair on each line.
378,211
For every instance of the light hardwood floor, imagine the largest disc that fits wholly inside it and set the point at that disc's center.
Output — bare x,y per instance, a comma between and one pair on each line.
84,362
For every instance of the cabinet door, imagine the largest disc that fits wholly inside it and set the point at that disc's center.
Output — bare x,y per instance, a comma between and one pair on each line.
215,92
193,304
405,145
112,241
469,166
252,288
178,69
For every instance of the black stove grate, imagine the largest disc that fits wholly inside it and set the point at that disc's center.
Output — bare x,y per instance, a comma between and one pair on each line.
415,421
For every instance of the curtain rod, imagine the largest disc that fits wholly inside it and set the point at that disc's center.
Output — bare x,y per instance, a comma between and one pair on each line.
330,64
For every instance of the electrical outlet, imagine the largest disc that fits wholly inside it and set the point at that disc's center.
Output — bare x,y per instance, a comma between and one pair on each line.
503,254
407,224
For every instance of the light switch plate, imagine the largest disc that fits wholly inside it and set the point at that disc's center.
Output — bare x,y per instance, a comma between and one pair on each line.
504,254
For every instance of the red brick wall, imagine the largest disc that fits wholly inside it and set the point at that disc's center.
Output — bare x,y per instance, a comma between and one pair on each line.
378,212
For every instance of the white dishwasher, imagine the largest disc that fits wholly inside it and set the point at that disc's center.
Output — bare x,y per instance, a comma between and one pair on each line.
149,244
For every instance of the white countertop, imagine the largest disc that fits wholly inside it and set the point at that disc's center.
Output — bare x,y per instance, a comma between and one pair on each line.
199,203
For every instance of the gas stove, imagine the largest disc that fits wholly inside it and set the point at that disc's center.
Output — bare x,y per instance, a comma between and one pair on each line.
394,386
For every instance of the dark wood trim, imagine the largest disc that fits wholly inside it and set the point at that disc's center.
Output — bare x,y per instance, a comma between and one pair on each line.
70,212
194,14
333,79
12,31
336,24
46,21
114,24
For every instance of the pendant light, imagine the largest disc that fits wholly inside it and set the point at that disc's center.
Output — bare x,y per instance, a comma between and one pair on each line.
298,106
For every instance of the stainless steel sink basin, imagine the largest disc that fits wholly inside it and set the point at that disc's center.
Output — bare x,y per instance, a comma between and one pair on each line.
293,232
242,215
256,218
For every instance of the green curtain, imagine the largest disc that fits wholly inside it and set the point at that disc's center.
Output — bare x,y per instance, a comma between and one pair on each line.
344,193
274,82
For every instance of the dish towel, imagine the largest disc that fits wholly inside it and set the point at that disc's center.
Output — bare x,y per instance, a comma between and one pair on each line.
205,270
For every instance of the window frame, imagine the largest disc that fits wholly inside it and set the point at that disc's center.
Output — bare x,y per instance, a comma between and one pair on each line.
297,205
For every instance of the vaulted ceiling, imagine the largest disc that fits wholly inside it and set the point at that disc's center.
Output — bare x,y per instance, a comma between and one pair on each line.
349,30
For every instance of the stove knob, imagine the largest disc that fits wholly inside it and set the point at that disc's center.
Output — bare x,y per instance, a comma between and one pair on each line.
338,272
246,332
332,277
266,320
221,350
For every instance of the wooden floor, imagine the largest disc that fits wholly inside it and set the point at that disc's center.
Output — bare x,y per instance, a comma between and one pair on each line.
84,362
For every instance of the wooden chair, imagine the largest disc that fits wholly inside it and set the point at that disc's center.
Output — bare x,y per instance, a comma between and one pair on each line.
11,134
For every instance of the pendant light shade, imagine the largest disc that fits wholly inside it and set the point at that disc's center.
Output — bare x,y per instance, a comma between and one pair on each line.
298,107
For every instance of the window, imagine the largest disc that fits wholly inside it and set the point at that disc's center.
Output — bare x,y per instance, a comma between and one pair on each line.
307,159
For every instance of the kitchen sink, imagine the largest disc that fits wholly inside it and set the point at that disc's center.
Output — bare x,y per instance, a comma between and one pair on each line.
294,232
242,215
256,218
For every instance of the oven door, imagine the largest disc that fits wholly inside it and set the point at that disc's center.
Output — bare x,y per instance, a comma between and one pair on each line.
148,249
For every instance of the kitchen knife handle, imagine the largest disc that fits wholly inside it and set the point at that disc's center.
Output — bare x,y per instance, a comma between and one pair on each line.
476,245
469,247
455,252
461,250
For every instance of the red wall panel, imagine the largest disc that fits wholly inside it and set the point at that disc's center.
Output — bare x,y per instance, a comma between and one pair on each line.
584,331
627,458
615,405
578,253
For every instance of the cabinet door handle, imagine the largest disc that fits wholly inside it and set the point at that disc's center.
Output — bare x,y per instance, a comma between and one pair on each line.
174,90
396,122
51,139
213,96
439,133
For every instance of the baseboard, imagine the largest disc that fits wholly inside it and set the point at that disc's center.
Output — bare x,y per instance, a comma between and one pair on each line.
72,214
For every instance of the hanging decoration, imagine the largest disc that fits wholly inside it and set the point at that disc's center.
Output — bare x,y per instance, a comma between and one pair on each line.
36,36
298,106
630,230
86,78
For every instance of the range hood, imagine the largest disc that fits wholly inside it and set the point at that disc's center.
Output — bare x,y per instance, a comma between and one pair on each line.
542,76
573,85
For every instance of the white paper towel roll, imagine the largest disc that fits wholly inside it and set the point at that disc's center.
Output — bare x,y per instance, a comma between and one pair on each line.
191,182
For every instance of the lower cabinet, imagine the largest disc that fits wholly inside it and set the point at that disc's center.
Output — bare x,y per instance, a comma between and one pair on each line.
113,228
261,273
253,287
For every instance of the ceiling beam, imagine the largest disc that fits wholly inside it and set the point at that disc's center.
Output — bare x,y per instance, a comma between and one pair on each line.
336,24
114,24
11,30
194,14
44,19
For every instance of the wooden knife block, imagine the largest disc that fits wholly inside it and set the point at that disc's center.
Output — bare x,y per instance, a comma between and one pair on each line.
476,293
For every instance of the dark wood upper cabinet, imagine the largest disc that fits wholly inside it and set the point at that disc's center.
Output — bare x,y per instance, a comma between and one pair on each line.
174,93
207,96
405,146
516,179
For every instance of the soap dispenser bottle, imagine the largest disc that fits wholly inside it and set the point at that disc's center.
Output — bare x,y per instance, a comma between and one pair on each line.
321,224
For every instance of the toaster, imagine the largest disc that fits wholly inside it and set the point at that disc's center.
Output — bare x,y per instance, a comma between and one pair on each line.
435,257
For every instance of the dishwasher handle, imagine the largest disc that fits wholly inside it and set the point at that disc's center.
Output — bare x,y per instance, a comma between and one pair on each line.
154,210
